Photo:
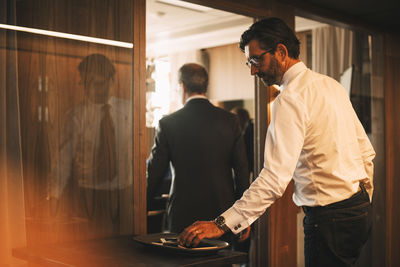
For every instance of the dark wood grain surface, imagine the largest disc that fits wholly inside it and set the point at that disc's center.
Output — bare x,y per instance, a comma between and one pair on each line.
121,251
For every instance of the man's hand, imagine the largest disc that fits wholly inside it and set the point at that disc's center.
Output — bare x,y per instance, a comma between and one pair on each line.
192,235
243,235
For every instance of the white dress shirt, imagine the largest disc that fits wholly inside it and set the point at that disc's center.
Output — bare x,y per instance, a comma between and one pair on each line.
314,138
195,97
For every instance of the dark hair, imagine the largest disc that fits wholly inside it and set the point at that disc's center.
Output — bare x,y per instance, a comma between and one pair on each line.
269,33
96,64
194,77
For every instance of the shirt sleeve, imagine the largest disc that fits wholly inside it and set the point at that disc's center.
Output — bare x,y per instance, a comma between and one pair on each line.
284,141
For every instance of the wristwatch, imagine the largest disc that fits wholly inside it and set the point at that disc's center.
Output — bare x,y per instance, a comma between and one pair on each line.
220,223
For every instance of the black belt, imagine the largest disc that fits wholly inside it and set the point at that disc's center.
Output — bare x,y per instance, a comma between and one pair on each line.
308,209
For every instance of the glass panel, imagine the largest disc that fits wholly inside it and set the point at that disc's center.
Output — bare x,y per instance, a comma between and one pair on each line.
76,117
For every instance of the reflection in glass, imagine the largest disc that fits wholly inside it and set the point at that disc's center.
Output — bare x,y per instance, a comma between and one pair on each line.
75,100
92,167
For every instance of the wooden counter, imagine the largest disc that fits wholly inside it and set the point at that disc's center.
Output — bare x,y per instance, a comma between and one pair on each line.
121,251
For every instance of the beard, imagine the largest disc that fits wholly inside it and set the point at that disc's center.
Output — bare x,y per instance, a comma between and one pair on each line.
273,74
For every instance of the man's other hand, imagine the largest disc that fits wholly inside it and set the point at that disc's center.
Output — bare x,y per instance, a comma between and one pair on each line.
243,235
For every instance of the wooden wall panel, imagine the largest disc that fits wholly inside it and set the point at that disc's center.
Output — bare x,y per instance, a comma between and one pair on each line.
377,244
282,218
392,114
38,66
139,111
49,80
260,242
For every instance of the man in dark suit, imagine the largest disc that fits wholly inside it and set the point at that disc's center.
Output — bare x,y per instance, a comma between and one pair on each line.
207,152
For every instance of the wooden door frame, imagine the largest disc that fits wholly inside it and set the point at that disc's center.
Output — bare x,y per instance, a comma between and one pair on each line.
139,116
392,128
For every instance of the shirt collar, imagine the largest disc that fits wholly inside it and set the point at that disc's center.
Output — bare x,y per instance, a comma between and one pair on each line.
194,97
292,73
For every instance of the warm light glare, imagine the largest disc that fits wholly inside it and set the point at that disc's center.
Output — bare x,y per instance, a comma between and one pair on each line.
68,36
161,97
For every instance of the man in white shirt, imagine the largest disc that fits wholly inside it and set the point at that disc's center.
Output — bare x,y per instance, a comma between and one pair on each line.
314,138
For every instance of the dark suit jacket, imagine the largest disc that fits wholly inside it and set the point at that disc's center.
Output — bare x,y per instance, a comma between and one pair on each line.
207,152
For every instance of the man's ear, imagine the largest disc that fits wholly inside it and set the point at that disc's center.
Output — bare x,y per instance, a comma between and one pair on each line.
184,89
184,92
281,53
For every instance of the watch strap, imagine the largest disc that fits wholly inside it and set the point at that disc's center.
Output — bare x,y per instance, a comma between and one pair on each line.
220,223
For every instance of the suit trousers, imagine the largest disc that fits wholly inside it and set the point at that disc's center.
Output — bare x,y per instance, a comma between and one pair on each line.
335,234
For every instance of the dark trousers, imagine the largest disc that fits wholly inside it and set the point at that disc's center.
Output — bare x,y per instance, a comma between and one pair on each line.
335,234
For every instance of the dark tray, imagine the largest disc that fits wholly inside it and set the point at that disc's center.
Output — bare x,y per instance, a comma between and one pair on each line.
155,240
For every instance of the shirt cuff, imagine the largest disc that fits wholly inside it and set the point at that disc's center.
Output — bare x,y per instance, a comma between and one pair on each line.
235,221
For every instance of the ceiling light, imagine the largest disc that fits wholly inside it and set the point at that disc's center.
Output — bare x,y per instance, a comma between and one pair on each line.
68,36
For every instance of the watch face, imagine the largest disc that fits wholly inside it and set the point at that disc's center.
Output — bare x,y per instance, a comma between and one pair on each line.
220,220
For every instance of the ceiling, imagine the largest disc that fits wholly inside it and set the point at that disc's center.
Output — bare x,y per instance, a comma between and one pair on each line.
171,28
382,15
